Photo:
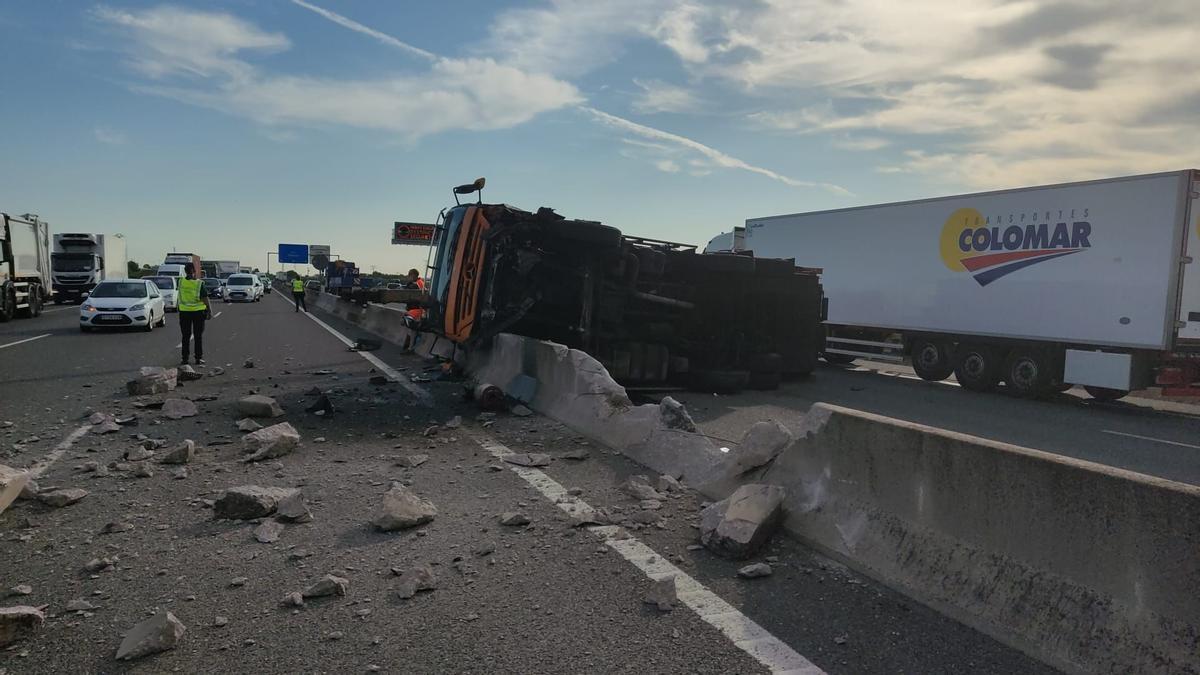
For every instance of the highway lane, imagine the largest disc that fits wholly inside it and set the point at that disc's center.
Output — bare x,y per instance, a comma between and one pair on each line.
1134,435
550,598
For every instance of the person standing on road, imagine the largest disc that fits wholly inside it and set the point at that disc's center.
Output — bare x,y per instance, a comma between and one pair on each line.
415,281
193,312
298,294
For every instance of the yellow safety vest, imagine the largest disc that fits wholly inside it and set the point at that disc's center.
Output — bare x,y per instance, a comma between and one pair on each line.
297,286
190,298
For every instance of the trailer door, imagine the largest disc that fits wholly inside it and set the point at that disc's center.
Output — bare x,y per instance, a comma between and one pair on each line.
1188,332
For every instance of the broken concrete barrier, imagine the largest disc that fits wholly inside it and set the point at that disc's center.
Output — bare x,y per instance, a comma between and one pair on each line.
740,524
250,501
153,380
276,440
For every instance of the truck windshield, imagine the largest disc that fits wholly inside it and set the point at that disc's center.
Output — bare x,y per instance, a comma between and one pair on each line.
73,263
129,289
442,266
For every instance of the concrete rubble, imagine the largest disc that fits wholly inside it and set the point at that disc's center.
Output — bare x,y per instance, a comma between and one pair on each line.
414,579
269,531
61,497
402,509
19,622
639,488
12,482
270,442
138,454
152,380
527,459
514,519
183,453
674,415
258,405
247,424
760,445
662,594
738,525
250,501
157,634
755,571
293,509
326,586
412,461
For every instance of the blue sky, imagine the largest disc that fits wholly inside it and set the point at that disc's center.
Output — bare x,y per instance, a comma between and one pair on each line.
226,127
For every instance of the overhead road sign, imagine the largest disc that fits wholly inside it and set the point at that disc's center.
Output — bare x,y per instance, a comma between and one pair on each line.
419,234
293,253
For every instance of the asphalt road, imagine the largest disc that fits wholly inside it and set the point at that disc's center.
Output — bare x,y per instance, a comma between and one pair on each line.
1150,437
549,599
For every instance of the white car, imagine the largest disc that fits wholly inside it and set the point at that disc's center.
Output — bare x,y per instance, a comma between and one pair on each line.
123,303
243,288
169,287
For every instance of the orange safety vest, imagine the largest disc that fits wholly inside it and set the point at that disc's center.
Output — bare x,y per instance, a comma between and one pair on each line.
418,312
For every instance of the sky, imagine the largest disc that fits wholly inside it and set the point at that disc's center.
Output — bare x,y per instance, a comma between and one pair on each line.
228,126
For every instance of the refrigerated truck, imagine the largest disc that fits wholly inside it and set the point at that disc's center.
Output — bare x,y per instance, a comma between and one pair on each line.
80,260
1094,283
227,267
25,283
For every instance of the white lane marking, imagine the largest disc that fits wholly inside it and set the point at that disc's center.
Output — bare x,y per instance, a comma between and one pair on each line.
58,309
21,342
1149,438
742,631
423,396
39,467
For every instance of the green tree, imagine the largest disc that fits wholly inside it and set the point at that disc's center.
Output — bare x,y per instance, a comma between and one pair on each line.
133,269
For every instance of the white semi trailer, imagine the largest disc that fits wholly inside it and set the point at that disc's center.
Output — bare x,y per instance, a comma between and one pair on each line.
1094,283
81,260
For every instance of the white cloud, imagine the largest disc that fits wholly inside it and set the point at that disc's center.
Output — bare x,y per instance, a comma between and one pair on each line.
109,136
206,50
667,166
860,143
657,96
712,155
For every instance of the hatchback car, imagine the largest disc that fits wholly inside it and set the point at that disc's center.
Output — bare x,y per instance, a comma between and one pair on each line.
213,287
243,288
169,287
266,282
126,303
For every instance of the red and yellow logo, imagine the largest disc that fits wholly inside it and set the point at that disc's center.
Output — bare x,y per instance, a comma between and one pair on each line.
988,252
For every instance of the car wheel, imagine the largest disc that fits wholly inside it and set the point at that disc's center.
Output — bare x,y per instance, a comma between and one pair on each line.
149,323
978,367
931,360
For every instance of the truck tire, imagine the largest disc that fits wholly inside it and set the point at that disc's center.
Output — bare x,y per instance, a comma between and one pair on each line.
931,359
1104,393
978,367
35,302
1027,372
719,381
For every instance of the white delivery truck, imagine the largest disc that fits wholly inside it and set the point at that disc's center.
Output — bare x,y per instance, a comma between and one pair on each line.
80,261
227,267
1094,283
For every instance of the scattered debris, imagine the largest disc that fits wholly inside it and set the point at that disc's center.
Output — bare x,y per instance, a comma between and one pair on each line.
108,426
363,344
379,380
738,525
248,363
238,582
269,531
250,501
183,453
322,406
178,408
454,422
514,518
220,621
188,373
61,497
97,565
402,509
755,571
293,509
153,380
18,622
258,405
138,454
412,461
527,459
156,634
484,549
576,454
21,589
674,415
668,484
662,594
143,470
639,488
81,605
521,411
414,579
328,585
274,441
294,599
247,424
116,527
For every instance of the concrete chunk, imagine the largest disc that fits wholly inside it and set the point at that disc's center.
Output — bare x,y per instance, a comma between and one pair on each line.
662,594
156,634
527,459
153,380
18,622
402,509
12,481
250,501
738,525
328,585
62,496
259,406
274,441
178,408
182,454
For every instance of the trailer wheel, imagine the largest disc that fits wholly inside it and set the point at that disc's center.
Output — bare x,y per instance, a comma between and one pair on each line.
1027,373
931,360
1104,393
719,381
978,367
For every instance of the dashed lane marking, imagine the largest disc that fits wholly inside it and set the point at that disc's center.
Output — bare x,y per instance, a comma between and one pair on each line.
21,342
423,395
1149,438
39,467
742,631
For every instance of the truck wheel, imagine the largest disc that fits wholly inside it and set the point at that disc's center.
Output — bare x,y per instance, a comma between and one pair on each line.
978,367
719,381
1104,393
1027,373
931,360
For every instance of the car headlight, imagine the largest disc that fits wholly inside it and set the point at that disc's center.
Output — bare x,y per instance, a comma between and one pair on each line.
138,307
88,308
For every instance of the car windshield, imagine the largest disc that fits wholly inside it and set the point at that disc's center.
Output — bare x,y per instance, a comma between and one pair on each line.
164,283
122,289
212,283
73,263
240,281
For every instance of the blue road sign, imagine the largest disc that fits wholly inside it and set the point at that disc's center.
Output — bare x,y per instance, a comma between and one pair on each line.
293,253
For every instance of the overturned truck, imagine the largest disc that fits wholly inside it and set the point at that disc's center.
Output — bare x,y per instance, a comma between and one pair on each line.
655,313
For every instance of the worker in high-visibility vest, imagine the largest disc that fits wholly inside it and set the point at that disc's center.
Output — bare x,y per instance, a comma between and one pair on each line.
415,281
193,312
298,294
